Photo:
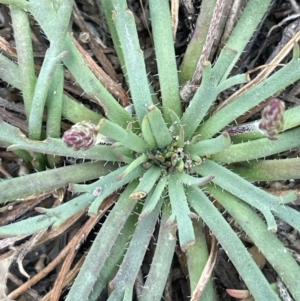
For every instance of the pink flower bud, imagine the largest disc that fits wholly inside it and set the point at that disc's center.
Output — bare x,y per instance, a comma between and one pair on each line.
81,136
272,121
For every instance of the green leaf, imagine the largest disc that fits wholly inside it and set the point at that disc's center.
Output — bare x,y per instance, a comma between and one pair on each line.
159,128
165,57
133,57
181,213
162,259
236,251
50,180
104,242
268,243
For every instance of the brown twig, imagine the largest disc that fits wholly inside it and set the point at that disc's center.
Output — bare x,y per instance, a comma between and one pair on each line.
262,75
95,47
106,81
209,41
174,16
207,271
75,241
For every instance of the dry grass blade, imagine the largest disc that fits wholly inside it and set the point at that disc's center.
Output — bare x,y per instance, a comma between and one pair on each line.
265,72
95,47
209,41
174,16
71,247
207,271
106,81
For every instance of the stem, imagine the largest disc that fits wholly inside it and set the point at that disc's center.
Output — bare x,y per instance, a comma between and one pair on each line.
249,131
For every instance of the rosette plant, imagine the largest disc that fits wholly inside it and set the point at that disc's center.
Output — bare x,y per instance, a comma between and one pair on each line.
176,164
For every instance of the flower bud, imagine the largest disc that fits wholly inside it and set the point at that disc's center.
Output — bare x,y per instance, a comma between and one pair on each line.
272,121
81,136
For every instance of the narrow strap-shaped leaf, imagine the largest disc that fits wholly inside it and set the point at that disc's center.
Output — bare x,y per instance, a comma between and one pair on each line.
77,66
132,166
106,186
132,261
147,133
114,258
22,36
181,212
159,128
165,56
196,262
102,245
191,180
147,182
125,137
251,98
268,243
196,44
259,148
200,104
239,187
162,259
55,146
35,183
133,57
249,21
153,197
263,170
55,216
54,55
71,109
210,146
236,251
